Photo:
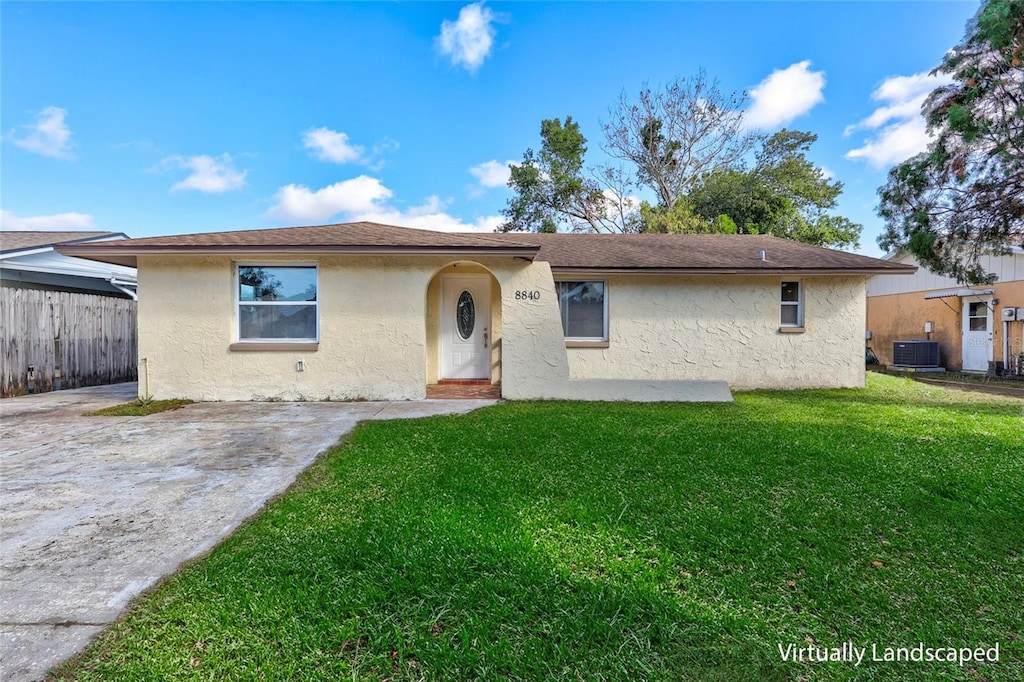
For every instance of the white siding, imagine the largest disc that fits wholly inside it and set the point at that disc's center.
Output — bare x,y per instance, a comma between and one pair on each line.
1006,268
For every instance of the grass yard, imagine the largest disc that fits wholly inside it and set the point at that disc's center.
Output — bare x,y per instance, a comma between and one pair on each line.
617,542
139,408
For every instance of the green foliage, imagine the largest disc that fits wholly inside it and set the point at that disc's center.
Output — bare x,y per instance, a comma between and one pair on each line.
964,197
615,541
551,190
784,195
684,142
678,219
723,224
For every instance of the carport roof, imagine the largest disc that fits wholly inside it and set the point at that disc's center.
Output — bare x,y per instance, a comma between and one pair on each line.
566,253
23,240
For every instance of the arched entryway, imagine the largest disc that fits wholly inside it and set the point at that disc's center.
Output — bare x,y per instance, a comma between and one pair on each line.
463,327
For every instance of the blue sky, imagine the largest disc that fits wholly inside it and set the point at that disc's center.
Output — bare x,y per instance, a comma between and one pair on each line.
165,118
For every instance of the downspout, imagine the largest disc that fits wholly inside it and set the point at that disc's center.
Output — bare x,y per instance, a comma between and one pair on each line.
114,283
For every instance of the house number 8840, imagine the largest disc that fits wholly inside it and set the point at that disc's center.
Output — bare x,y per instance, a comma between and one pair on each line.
527,295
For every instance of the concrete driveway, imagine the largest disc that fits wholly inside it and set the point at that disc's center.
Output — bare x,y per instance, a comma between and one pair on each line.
96,509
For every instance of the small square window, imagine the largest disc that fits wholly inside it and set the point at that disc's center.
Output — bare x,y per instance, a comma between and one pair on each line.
791,313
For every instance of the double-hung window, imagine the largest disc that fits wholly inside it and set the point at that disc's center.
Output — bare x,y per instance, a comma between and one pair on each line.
792,305
277,303
583,306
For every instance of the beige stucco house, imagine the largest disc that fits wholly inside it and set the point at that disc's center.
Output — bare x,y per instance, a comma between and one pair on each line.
368,311
973,325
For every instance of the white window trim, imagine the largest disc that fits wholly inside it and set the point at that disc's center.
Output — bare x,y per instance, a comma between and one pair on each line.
799,303
239,301
583,340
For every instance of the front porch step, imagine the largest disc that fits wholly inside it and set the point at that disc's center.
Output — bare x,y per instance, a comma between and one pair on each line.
463,390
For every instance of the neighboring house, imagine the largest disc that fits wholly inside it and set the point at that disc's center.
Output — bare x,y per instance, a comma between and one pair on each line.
28,261
967,321
371,311
67,321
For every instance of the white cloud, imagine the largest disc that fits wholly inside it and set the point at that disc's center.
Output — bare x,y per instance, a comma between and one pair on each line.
331,145
210,174
58,221
492,173
893,144
49,135
429,216
335,146
468,40
785,95
366,198
900,131
297,203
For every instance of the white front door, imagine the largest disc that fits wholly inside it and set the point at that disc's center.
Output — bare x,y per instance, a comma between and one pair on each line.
977,333
465,327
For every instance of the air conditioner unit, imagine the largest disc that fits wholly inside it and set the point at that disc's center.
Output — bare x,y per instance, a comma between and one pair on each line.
915,353
1009,314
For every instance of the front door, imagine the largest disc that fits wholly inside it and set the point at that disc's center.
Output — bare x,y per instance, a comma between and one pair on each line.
465,327
977,334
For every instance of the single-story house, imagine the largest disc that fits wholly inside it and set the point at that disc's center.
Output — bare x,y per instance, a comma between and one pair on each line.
973,325
368,311
66,321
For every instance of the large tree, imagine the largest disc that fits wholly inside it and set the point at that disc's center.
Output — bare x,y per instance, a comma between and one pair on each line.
554,191
685,143
964,196
784,194
672,135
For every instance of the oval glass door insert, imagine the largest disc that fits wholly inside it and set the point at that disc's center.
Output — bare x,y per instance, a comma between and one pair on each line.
465,315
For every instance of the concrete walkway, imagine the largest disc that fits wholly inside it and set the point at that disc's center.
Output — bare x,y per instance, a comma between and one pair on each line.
93,510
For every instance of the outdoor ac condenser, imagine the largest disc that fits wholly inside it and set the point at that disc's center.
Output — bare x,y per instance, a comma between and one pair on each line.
915,353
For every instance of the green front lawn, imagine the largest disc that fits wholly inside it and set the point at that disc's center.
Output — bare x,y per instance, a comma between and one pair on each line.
617,542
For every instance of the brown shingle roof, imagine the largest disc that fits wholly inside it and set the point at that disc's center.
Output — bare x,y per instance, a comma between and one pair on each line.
354,235
565,252
695,252
32,239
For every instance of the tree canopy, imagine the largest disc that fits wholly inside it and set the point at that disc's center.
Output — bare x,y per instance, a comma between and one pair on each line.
674,134
553,191
685,143
783,194
964,196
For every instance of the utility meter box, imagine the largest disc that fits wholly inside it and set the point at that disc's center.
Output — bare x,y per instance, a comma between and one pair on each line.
1009,314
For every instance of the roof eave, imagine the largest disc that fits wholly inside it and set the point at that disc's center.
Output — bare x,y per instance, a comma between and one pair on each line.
126,256
908,270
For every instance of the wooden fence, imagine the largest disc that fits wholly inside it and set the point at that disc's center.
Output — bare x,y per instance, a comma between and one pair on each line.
55,339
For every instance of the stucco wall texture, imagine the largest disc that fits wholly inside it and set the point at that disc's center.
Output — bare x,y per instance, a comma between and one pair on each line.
373,331
378,339
727,328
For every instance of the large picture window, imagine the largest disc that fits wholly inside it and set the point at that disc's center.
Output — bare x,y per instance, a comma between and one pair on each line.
277,303
584,310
